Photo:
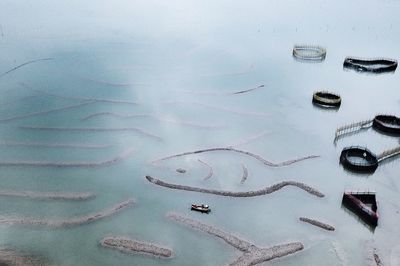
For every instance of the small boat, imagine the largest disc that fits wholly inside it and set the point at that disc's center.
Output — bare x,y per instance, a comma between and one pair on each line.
363,204
201,208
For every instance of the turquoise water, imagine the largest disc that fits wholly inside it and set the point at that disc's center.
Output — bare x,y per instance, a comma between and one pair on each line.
178,61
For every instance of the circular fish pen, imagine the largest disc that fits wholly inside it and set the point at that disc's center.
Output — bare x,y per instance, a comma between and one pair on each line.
310,53
373,65
359,159
387,123
326,99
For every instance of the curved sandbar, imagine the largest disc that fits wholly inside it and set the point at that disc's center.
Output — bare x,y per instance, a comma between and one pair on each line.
232,240
69,107
210,170
12,257
177,122
253,193
245,174
248,90
249,139
24,64
252,254
94,115
202,92
53,145
114,84
93,129
48,195
128,245
79,98
317,223
220,108
68,164
255,156
71,221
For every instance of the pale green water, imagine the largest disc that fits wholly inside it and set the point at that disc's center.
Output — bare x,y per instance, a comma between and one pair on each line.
162,51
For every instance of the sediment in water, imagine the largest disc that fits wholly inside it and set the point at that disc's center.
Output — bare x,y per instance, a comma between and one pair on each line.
371,253
71,221
10,257
128,245
251,254
317,223
245,174
252,193
93,129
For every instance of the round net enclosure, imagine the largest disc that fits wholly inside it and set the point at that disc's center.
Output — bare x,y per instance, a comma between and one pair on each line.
371,65
327,99
387,124
312,53
360,159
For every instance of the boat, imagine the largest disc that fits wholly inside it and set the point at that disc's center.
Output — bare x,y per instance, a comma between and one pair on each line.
201,208
363,204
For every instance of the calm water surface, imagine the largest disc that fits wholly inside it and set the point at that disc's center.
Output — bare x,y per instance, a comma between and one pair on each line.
180,60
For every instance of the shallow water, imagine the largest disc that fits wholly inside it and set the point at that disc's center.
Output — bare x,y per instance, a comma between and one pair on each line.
181,62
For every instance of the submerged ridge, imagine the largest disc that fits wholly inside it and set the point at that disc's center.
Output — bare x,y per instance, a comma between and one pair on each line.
252,193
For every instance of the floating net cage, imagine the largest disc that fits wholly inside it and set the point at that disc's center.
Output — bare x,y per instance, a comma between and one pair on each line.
361,159
327,99
387,124
363,204
371,65
311,53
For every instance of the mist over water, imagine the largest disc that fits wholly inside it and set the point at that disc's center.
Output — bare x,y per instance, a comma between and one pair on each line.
142,80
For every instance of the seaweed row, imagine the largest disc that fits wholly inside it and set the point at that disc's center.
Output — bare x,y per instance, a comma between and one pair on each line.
94,129
12,257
